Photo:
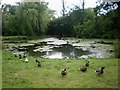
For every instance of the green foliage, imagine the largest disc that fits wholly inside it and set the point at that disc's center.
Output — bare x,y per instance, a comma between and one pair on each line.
99,22
37,19
85,29
27,18
107,19
76,22
60,26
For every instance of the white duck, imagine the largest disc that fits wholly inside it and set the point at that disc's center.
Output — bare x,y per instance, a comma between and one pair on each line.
26,60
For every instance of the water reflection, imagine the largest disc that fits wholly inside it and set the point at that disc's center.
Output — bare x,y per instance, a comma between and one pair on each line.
53,55
63,51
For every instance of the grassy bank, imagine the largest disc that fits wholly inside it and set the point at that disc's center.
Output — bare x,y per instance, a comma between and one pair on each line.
21,38
18,74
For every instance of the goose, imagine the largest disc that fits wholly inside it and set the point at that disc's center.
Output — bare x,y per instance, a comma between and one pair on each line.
26,60
83,69
99,72
87,64
64,72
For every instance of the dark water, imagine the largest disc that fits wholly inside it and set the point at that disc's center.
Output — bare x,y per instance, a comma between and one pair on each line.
63,51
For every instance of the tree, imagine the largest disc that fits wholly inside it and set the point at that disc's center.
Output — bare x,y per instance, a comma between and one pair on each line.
85,27
109,12
28,18
8,17
63,10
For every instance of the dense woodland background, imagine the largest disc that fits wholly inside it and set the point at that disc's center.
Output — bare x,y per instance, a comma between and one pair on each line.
36,19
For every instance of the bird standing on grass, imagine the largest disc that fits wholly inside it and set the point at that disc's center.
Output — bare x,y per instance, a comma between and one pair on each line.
99,72
83,69
26,60
39,64
24,56
64,72
20,56
15,55
87,64
37,61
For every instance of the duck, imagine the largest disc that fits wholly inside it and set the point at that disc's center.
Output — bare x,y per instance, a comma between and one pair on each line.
15,55
37,61
83,69
100,72
87,64
26,60
39,64
24,56
92,45
64,72
20,57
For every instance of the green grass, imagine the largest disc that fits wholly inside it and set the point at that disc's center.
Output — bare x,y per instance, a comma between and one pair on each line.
18,74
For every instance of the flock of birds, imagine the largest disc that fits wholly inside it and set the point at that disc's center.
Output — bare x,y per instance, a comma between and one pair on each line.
24,56
64,72
84,69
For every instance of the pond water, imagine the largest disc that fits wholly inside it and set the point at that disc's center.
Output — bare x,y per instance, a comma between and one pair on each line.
65,48
62,51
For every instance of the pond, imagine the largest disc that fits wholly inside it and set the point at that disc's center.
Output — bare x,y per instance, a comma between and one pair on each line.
62,51
65,48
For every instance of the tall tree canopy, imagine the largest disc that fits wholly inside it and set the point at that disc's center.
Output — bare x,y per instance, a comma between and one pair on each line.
99,22
35,18
28,18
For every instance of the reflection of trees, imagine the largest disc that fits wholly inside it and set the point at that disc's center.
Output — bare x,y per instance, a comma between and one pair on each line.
70,51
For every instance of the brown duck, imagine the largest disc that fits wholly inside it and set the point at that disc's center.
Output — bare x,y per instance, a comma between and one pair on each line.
20,56
64,72
37,61
39,64
83,69
87,64
24,56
